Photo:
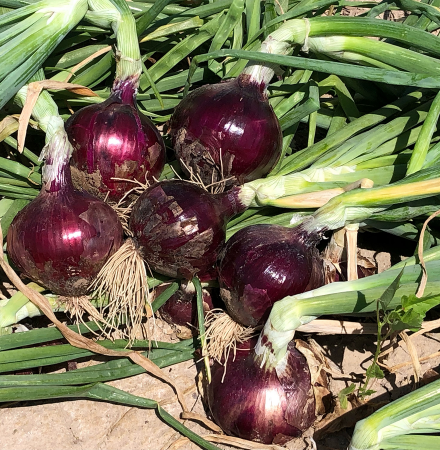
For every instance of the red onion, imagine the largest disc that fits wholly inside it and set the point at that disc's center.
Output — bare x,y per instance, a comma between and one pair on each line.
262,402
227,130
181,307
114,140
63,237
261,264
179,227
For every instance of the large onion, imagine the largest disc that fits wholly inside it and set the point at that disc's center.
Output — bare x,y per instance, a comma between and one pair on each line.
261,264
114,140
63,237
227,131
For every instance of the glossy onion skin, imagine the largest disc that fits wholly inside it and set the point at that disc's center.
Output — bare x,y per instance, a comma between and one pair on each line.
114,140
62,239
230,123
179,227
256,403
262,264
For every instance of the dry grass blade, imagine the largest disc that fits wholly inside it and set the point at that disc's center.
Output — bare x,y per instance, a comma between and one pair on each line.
73,70
33,91
8,126
123,279
76,339
75,88
327,326
414,356
223,334
187,415
351,235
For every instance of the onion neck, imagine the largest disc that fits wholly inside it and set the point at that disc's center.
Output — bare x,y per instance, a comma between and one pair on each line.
128,55
126,90
231,202
56,153
261,74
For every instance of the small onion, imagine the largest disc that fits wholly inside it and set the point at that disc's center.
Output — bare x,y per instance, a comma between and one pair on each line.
260,402
261,264
227,131
181,307
114,140
63,237
179,227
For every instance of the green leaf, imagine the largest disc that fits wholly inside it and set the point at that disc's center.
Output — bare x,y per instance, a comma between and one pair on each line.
400,320
390,292
344,393
367,392
411,313
374,371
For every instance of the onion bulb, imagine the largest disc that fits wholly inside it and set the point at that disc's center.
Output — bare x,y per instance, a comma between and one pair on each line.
261,264
266,403
179,227
181,307
63,237
114,140
227,131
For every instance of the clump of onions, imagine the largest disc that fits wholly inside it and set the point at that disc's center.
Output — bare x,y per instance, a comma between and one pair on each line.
63,237
113,141
269,378
177,229
228,131
268,403
261,264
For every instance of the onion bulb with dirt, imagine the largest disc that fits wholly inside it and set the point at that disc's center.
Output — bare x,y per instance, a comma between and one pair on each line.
116,145
181,308
228,131
269,403
63,238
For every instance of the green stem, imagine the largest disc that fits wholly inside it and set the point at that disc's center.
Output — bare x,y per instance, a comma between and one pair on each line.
422,145
382,52
370,432
129,63
359,204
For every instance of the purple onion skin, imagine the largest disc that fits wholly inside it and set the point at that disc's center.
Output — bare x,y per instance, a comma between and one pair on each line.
63,237
230,123
262,264
114,140
180,228
256,403
181,307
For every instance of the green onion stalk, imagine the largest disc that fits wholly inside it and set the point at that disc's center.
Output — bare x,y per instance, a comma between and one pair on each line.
351,207
29,36
343,40
402,423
